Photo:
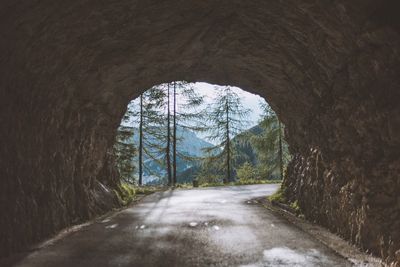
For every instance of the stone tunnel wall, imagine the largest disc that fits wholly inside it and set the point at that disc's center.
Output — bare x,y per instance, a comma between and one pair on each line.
329,68
349,180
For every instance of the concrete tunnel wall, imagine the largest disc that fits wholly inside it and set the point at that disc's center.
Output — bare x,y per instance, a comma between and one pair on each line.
329,68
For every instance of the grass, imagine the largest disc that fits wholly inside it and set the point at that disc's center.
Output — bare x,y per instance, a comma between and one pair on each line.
295,206
254,181
127,193
278,196
246,182
184,186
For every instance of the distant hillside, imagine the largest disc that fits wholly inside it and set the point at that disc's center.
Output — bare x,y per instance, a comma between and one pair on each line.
189,145
245,153
245,150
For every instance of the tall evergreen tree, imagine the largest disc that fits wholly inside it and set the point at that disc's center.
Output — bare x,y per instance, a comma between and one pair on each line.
174,138
159,113
149,115
154,126
141,140
167,148
273,152
226,117
185,114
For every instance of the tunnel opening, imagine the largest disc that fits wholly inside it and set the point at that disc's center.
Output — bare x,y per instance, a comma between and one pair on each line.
182,133
329,70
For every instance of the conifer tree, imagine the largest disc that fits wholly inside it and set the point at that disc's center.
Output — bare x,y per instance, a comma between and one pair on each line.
174,138
271,147
226,117
161,110
185,115
167,147
141,140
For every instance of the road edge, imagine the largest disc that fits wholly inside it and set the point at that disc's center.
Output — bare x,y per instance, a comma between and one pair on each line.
323,235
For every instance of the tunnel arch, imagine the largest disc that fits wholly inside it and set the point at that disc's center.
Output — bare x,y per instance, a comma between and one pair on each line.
329,69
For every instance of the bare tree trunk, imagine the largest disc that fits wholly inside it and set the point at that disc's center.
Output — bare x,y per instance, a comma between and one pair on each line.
280,150
174,138
167,150
228,146
141,142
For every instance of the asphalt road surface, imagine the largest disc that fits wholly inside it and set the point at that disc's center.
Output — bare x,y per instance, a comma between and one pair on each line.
205,227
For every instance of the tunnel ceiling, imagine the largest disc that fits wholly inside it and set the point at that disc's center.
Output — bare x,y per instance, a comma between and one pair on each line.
329,68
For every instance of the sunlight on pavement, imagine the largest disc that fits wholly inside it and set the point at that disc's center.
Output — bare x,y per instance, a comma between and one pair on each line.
112,226
193,224
283,256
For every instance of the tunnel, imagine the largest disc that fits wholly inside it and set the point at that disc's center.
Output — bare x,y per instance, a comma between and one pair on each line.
330,69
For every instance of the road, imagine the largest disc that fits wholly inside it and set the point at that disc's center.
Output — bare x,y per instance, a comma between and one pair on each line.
205,227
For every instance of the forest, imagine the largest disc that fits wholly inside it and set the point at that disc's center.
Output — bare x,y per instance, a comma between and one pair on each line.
174,135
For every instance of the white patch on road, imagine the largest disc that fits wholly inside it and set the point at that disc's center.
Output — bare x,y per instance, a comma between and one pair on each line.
112,226
283,256
193,224
142,226
216,227
106,220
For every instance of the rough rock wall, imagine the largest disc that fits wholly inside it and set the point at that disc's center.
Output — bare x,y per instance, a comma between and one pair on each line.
68,70
54,173
347,179
363,211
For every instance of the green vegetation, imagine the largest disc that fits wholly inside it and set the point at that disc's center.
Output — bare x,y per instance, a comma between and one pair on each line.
205,178
247,173
184,186
225,118
295,206
257,154
127,193
248,182
161,113
149,141
279,197
273,151
217,184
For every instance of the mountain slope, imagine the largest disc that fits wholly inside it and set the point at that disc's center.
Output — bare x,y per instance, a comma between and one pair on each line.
189,145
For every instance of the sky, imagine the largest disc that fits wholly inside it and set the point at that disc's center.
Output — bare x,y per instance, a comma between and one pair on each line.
250,100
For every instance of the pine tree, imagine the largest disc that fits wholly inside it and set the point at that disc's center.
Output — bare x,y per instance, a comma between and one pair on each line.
185,117
167,148
141,140
226,117
155,139
147,112
272,149
159,114
174,139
